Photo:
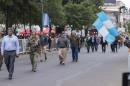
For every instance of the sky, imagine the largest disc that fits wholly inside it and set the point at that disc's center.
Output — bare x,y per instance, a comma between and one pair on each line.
127,2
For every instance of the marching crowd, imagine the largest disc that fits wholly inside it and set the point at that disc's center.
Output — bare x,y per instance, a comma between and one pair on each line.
92,42
38,46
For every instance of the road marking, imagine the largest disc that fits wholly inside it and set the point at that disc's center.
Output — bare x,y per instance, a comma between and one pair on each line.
60,82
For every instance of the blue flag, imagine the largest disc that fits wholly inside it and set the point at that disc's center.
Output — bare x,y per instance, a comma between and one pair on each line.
45,19
108,23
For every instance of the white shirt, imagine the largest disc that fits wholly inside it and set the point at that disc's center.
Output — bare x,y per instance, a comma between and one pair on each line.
10,44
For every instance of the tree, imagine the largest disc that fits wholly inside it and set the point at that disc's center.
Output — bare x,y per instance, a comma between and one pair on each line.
61,12
2,18
83,13
74,14
19,11
55,11
64,2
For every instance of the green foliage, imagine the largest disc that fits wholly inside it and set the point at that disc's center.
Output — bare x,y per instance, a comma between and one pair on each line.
56,12
19,10
2,18
61,12
83,13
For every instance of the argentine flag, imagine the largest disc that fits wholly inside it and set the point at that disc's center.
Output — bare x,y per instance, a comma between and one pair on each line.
108,23
104,31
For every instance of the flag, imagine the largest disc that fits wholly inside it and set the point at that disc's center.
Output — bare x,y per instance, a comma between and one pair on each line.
103,31
108,23
45,19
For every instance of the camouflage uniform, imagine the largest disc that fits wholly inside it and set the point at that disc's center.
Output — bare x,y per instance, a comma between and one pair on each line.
34,51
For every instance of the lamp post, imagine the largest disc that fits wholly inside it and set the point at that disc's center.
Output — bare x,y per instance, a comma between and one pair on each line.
41,14
30,16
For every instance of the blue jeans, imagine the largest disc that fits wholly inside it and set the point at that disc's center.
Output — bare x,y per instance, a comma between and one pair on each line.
75,53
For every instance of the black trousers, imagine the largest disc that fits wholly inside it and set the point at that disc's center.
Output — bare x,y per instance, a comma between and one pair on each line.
112,48
116,48
9,58
103,48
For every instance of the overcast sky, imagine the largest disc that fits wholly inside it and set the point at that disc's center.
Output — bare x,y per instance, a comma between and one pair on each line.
127,2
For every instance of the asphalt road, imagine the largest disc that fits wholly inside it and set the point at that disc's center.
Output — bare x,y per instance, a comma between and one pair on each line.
93,69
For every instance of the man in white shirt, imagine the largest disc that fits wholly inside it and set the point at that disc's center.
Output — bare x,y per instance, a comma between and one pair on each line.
10,49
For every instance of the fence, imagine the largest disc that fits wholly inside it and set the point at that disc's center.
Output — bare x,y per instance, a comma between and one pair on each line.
23,43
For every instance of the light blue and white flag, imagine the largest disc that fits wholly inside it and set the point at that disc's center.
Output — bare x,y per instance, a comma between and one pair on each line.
103,31
45,20
108,23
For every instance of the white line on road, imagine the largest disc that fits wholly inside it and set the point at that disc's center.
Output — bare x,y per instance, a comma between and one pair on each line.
60,82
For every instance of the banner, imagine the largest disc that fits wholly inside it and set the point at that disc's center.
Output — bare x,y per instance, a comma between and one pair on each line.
45,19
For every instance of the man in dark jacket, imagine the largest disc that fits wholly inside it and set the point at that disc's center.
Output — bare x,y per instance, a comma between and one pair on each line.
88,43
93,43
103,43
115,45
75,44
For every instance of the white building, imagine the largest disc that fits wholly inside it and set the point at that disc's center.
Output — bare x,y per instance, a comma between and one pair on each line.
117,15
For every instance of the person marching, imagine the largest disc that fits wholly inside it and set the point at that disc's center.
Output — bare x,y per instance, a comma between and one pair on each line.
10,49
63,45
98,41
116,45
103,43
75,44
43,45
113,47
34,48
1,57
49,43
88,43
93,43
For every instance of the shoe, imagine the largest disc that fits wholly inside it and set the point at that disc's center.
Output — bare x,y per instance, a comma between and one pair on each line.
76,61
10,76
63,63
45,58
60,62
34,70
41,60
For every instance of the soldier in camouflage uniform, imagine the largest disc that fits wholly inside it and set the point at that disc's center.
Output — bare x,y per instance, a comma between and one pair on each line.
34,50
